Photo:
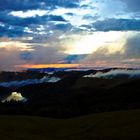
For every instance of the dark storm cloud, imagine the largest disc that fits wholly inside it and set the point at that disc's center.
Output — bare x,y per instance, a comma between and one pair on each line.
132,47
27,56
45,55
14,53
63,27
117,25
18,5
132,5
11,31
15,26
11,20
75,58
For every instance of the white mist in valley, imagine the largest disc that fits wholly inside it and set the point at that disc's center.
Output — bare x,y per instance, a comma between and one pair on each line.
21,83
116,74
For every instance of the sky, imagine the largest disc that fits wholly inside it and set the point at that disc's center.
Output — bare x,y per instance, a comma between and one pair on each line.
69,33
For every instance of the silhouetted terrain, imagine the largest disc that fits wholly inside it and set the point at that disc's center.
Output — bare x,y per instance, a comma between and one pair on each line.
74,95
13,76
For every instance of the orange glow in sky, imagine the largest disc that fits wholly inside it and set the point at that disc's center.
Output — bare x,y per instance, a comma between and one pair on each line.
47,66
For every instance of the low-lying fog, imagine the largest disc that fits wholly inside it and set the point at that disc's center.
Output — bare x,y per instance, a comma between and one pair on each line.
30,81
116,74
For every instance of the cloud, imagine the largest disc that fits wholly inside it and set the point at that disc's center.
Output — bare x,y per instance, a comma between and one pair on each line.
61,15
24,5
51,25
117,25
75,14
132,5
75,58
18,5
116,74
29,13
25,22
122,51
9,54
20,46
16,97
113,50
12,26
8,30
132,47
30,81
14,53
26,56
47,55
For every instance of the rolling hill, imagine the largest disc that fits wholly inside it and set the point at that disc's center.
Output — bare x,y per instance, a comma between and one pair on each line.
101,126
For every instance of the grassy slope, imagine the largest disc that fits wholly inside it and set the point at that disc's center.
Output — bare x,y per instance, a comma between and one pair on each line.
102,126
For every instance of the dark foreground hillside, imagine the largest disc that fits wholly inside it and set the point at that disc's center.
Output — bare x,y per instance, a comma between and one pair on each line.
123,125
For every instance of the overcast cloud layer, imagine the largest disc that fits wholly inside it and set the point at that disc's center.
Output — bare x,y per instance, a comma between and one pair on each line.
50,31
